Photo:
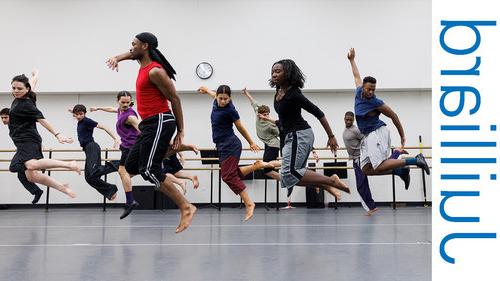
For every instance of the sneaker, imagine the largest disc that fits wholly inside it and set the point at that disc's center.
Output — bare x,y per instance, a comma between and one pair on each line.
405,176
129,208
421,163
38,194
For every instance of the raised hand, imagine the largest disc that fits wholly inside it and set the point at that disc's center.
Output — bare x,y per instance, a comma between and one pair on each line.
351,54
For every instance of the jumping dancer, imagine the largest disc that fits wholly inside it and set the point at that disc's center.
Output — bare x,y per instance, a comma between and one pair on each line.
155,88
375,156
229,147
28,158
93,168
127,127
288,80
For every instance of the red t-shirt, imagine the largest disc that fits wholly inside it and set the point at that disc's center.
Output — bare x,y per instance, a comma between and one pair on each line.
150,100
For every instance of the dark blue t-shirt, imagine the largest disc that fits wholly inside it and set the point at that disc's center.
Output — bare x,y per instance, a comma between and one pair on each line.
85,131
367,115
222,121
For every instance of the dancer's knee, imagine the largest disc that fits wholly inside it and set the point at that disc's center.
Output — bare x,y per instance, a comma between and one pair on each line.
31,165
153,176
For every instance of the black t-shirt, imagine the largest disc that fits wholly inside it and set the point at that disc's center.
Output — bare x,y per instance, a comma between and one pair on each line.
85,130
289,111
23,116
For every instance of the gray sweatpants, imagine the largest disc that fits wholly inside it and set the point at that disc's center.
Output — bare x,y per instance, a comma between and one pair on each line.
298,146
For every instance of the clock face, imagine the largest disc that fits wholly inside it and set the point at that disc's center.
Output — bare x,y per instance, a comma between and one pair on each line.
204,70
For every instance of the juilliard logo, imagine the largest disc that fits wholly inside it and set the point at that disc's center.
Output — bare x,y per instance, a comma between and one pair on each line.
459,104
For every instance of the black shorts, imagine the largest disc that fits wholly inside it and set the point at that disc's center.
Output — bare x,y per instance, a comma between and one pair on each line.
270,154
171,165
125,152
25,151
146,156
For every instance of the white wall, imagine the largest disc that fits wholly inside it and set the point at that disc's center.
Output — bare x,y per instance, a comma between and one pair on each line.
70,40
413,107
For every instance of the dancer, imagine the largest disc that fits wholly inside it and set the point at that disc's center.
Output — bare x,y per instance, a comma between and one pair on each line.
127,127
28,158
271,135
173,168
288,80
29,186
352,140
155,88
224,114
376,145
93,168
268,133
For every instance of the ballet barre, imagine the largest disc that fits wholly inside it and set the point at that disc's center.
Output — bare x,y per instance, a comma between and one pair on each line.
214,160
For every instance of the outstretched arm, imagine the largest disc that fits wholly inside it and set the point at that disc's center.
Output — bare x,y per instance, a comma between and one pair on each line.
387,111
332,141
246,135
60,138
112,62
355,72
105,109
205,90
111,134
247,94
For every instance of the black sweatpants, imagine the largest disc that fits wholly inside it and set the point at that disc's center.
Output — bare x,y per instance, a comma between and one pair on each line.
94,170
146,156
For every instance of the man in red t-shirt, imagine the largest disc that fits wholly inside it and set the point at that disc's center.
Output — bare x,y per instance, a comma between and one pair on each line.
154,88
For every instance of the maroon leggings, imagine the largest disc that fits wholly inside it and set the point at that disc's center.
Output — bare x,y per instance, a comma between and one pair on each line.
231,174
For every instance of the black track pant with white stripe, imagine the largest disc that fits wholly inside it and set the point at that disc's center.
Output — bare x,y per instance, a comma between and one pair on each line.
94,170
147,154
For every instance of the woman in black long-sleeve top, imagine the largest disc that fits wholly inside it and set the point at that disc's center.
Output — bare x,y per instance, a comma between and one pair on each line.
289,101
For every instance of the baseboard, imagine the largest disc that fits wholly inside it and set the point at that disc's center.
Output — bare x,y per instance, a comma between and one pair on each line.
208,205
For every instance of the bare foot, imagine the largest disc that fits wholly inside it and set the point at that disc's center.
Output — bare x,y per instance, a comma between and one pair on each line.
114,196
192,147
196,183
187,214
334,192
68,191
275,163
371,212
182,185
249,213
261,165
73,166
340,184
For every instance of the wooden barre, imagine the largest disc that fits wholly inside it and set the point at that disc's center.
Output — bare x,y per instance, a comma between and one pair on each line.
216,168
212,159
211,149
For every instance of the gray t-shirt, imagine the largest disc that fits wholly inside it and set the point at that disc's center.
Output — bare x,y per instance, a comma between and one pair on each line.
266,131
352,140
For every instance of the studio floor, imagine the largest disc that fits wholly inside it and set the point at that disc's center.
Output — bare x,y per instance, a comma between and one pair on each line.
297,244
